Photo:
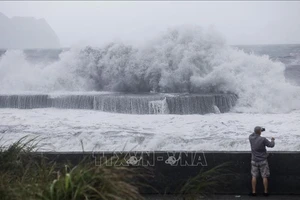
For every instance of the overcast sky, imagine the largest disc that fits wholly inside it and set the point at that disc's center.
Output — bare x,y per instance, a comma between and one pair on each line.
101,22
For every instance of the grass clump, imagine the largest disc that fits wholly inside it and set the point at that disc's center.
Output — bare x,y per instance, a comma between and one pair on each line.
207,182
25,174
86,181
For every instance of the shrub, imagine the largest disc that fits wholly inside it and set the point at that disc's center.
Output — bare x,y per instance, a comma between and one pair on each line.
26,174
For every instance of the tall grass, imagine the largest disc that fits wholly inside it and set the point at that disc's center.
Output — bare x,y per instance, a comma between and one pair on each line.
15,164
207,182
27,175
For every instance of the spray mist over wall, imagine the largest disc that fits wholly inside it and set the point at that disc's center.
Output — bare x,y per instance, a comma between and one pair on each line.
186,59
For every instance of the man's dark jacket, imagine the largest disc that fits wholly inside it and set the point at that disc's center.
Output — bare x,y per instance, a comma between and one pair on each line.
258,147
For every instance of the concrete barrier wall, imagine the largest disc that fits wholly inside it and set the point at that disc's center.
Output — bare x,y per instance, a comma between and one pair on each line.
169,175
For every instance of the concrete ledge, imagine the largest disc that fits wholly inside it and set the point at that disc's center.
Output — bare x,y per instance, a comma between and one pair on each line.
168,177
224,197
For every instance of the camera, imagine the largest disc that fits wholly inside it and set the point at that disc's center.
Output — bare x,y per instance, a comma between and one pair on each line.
263,129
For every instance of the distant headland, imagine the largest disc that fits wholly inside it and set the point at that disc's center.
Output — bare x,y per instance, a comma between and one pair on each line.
26,33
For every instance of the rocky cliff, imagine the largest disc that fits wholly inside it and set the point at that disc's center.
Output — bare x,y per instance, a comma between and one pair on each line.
26,33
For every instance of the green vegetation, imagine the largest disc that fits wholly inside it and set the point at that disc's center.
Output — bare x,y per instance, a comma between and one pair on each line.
207,182
25,175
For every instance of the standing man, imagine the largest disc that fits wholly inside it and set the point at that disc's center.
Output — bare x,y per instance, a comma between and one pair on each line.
259,162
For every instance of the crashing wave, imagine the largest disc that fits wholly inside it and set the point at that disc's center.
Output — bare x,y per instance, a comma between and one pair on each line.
182,60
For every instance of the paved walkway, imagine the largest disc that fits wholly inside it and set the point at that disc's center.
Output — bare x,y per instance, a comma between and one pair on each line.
227,197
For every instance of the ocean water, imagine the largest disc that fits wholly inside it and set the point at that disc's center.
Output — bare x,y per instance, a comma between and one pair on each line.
181,60
66,130
289,54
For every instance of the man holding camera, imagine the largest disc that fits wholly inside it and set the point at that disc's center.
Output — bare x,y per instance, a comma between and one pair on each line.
259,162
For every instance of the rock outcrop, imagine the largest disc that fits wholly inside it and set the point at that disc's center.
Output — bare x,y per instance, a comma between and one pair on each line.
26,33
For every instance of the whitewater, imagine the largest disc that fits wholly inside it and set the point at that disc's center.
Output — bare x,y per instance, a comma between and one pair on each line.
186,60
78,130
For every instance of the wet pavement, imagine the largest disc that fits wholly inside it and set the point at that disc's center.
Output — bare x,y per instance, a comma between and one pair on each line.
226,197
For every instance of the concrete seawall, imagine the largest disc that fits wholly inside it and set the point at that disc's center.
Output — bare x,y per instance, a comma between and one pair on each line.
147,103
171,169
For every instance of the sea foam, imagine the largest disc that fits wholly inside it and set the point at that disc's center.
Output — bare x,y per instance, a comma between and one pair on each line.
186,59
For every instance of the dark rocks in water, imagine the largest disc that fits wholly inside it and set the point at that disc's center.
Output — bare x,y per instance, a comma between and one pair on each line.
127,103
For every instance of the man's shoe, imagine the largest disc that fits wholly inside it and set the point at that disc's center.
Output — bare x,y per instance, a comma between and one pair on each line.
252,194
266,194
